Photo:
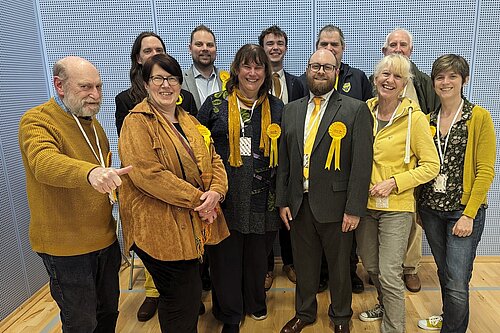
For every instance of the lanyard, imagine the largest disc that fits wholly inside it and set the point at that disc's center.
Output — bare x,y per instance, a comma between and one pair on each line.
390,120
242,125
443,152
101,159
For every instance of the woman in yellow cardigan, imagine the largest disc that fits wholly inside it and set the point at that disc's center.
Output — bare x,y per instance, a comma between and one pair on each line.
403,158
452,206
169,204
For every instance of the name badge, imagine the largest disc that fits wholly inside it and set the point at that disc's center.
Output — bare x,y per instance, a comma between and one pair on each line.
246,146
382,202
439,185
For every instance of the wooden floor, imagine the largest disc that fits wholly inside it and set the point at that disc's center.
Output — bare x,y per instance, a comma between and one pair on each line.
40,313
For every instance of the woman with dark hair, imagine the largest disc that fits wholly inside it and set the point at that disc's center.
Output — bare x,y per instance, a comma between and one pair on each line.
170,204
452,207
146,45
244,121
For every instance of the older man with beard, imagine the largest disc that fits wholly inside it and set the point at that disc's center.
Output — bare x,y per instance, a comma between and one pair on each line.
70,187
322,188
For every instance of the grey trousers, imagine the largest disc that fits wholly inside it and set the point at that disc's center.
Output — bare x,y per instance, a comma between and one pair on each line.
382,242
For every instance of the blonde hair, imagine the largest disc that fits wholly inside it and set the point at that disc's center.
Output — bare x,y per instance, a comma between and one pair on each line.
396,63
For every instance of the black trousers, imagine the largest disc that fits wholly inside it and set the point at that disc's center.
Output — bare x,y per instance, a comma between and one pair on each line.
286,249
179,285
238,267
309,239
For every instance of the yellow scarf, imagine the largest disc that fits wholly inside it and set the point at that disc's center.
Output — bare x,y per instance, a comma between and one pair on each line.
234,125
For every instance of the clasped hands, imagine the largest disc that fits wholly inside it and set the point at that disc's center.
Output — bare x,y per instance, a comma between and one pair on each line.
208,209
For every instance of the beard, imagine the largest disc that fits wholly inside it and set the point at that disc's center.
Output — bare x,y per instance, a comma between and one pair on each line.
81,107
319,88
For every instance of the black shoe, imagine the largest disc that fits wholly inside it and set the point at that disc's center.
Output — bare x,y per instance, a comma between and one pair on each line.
357,284
231,328
202,309
323,285
147,309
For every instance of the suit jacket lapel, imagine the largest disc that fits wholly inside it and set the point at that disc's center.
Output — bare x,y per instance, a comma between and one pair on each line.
300,119
191,85
331,111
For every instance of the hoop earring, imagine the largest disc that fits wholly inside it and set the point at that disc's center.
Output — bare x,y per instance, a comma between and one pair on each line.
179,100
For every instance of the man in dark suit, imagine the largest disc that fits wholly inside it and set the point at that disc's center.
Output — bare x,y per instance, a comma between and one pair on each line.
324,169
202,79
351,82
288,88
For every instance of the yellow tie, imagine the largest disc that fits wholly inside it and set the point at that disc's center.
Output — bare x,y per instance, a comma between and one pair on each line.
312,130
277,85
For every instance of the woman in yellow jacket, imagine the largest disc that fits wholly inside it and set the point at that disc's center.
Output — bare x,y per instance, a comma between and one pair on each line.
453,206
403,158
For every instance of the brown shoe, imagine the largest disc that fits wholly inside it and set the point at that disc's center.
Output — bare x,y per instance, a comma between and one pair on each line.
290,273
295,325
341,328
412,282
147,309
268,282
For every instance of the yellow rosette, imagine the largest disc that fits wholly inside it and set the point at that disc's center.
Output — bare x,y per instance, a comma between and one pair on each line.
433,130
205,133
337,131
273,132
224,77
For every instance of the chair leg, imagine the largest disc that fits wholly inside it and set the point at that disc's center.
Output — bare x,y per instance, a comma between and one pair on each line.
132,266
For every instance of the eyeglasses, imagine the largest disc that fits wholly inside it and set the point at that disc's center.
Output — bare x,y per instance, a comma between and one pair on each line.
158,80
315,67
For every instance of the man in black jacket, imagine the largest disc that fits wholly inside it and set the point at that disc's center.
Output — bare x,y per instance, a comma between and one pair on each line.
288,88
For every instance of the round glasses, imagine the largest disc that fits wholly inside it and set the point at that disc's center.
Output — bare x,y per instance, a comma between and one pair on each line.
158,80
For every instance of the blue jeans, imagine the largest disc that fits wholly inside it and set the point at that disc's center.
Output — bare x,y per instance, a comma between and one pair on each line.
86,289
454,257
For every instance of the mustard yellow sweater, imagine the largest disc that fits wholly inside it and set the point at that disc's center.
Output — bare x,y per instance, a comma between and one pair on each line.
68,217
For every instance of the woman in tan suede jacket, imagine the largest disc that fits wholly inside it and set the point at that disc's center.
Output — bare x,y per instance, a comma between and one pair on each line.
170,203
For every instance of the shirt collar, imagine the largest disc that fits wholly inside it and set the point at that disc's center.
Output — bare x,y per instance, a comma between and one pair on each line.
61,104
326,97
281,72
197,73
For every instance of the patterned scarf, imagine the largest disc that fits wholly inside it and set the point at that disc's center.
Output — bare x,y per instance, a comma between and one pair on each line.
234,125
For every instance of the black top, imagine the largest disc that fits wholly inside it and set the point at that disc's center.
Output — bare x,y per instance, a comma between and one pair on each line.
124,104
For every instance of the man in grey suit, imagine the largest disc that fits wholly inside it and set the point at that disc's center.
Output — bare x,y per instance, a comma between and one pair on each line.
202,79
324,170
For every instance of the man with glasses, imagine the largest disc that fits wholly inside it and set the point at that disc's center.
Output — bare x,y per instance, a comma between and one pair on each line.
202,79
351,82
322,185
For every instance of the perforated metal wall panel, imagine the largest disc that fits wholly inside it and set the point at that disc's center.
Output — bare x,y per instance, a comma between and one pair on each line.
235,24
103,32
22,86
